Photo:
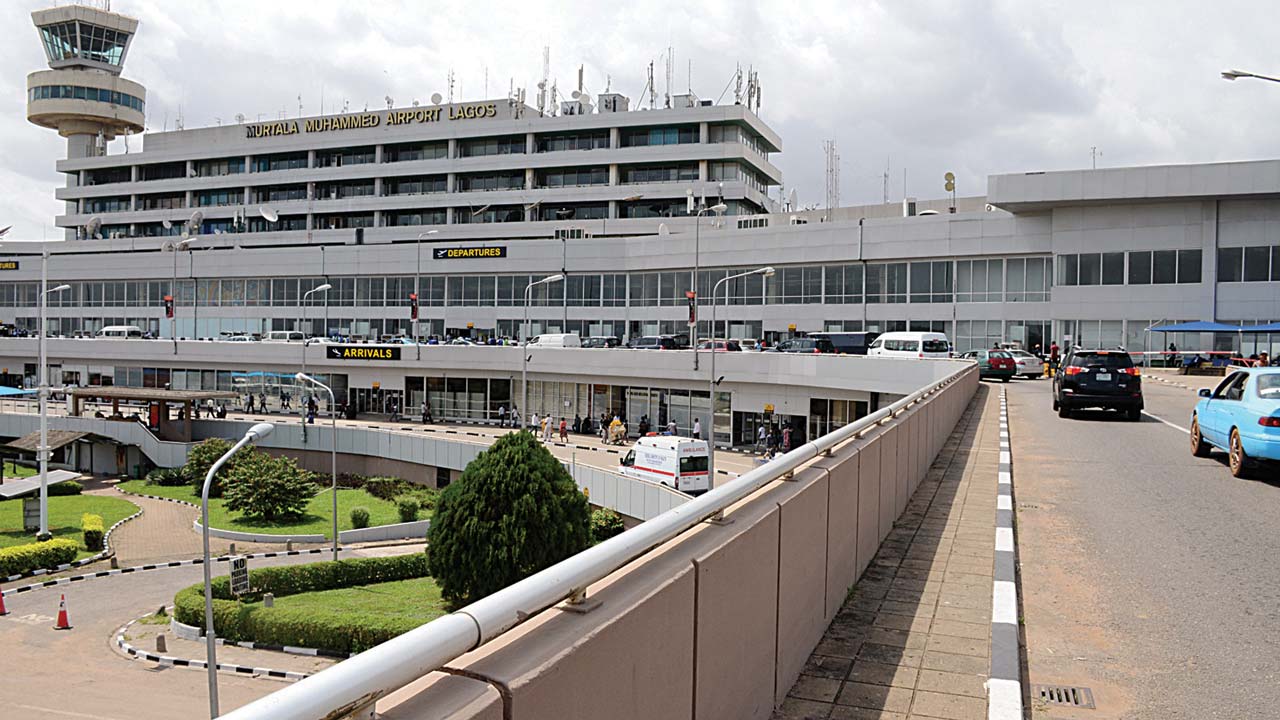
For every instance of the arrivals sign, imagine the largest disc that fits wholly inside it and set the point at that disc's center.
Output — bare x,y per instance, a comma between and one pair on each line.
474,111
8,264
469,253
361,352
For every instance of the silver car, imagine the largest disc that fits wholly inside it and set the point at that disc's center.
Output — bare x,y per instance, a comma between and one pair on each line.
1028,365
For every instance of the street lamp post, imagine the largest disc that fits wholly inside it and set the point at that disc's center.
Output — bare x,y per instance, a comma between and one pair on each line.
1237,74
524,343
693,281
417,289
43,391
175,248
257,432
306,340
766,271
333,471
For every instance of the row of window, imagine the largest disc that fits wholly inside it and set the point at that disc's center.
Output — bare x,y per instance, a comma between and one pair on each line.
1258,263
76,92
1145,267
917,282
402,152
72,39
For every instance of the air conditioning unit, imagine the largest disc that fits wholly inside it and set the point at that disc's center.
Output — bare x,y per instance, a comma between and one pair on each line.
908,207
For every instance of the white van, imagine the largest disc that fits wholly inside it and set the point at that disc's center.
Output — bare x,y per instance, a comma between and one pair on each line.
120,331
285,336
911,344
560,340
676,462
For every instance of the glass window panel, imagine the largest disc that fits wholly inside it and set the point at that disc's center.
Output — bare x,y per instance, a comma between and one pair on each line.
1091,269
1164,267
1189,266
1257,264
1140,268
1113,268
1230,264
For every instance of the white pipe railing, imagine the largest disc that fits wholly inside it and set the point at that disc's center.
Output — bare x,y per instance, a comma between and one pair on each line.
356,683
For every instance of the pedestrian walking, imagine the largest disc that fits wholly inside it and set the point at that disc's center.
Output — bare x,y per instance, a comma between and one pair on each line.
697,428
533,422
564,431
248,404
786,440
770,442
262,402
502,416
761,434
426,411
671,427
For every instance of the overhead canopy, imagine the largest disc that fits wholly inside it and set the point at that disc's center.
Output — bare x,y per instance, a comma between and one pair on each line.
1200,326
57,439
13,488
116,392
1272,328
7,391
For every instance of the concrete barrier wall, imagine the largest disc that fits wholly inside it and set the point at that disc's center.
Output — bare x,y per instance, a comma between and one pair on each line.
398,531
258,537
717,623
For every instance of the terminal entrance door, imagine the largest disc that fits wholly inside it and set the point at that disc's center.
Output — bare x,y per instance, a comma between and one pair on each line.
377,400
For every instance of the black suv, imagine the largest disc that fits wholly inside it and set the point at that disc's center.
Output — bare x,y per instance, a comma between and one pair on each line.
820,345
1098,379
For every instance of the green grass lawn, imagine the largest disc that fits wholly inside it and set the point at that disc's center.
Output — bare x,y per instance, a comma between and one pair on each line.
415,601
18,471
316,520
64,518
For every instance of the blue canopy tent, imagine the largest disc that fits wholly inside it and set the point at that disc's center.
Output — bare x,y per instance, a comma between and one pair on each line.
1199,326
7,391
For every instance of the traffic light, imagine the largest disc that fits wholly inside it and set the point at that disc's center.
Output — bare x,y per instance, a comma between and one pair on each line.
168,306
413,306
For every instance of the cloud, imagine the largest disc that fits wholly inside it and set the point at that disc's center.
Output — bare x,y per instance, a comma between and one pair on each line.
925,86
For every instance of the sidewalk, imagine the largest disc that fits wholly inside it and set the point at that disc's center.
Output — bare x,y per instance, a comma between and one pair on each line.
914,638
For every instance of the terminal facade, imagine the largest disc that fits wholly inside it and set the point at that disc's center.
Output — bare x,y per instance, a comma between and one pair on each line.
463,205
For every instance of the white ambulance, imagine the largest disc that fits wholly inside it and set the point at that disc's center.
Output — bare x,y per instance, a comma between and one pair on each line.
676,462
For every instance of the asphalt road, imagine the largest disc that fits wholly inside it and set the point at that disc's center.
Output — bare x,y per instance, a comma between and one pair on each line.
1149,574
75,673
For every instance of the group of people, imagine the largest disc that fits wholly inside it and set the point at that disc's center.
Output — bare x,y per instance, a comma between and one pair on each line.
772,440
546,427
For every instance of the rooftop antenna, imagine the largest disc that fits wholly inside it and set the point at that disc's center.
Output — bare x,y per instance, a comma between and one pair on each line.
542,84
390,102
737,86
653,89
486,82
580,69
299,104
346,105
1094,152
666,94
555,100
451,84
886,180
690,78
239,118
833,176
177,123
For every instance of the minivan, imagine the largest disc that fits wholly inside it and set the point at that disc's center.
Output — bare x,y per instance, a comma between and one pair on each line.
601,341
911,344
848,343
120,331
560,340
654,342
285,336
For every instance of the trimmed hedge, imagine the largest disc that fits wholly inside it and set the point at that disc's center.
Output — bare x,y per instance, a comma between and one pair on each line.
93,529
385,488
21,559
235,620
70,487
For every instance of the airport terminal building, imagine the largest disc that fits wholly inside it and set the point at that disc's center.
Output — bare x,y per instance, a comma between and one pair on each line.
461,205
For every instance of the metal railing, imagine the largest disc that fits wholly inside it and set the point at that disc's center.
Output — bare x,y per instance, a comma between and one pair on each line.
355,684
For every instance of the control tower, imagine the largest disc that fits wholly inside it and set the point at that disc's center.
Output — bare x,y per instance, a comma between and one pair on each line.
82,95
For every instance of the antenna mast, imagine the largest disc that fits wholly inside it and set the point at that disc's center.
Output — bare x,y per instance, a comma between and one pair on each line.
833,176
542,84
666,95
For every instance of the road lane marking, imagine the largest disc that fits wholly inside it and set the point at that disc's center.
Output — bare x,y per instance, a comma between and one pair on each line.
65,713
1166,422
1004,681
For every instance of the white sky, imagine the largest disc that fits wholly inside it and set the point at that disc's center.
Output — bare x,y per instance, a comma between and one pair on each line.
924,86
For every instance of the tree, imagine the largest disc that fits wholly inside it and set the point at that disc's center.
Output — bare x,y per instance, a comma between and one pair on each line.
514,511
265,487
605,523
204,455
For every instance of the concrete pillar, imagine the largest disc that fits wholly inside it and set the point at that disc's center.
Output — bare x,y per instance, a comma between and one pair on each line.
530,144
702,170
615,137
311,158
704,133
528,178
453,148
613,174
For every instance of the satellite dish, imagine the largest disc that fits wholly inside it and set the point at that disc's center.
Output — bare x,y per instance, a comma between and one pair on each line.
240,118
166,224
949,177
576,95
268,214
91,228
415,102
193,225
5,230
436,98
791,200
662,229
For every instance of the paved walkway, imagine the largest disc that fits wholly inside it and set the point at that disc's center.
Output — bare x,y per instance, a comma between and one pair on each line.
913,640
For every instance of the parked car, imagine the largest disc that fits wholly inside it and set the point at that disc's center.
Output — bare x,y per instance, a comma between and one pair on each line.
1240,416
720,345
849,343
601,341
557,340
748,344
1028,365
911,345
814,345
1098,379
120,331
997,364
654,342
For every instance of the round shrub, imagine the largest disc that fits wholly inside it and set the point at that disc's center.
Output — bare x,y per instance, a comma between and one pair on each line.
92,527
359,517
605,523
514,511
70,487
408,508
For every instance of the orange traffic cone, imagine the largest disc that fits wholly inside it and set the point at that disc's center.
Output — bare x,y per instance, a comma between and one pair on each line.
2,610
63,623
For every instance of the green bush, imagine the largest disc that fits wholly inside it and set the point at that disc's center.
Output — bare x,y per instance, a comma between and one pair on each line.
169,477
204,455
70,487
359,517
236,621
514,511
92,527
385,488
408,508
268,487
605,523
20,559
427,497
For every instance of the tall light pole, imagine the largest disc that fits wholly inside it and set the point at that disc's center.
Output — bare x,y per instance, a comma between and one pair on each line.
693,279
1237,74
333,471
255,433
417,289
43,450
306,340
524,343
766,271
175,248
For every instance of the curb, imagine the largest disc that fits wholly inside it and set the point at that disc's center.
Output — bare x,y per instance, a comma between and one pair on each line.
166,660
1157,378
156,566
196,634
106,553
1004,685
